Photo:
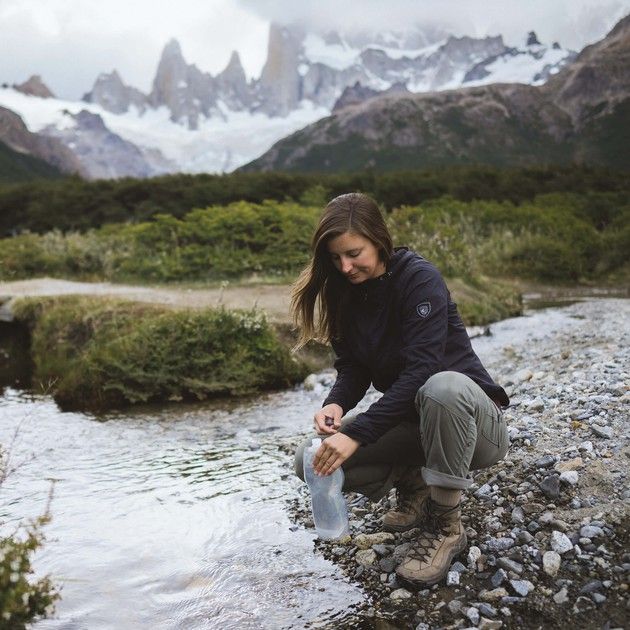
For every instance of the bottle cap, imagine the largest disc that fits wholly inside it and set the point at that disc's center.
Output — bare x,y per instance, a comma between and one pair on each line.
316,442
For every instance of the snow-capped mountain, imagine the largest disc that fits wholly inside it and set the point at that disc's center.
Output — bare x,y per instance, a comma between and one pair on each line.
194,122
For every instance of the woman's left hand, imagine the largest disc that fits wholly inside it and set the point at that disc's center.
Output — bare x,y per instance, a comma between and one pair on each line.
333,452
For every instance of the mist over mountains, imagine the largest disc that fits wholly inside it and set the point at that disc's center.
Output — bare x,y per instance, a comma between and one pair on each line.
193,121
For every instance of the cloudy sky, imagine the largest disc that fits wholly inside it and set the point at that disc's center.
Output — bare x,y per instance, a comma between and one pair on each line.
69,42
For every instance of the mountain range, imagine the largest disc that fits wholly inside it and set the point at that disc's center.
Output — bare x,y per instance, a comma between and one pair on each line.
581,114
192,121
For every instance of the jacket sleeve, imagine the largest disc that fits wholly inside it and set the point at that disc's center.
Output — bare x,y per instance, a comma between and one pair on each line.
352,379
424,322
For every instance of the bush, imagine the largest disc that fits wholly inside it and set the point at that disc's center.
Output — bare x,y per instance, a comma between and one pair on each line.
96,353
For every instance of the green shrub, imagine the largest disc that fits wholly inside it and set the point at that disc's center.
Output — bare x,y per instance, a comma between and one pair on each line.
96,354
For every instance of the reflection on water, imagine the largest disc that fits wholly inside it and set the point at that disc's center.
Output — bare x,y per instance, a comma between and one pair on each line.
172,517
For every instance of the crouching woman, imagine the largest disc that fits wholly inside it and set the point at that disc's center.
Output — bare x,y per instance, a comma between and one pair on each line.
391,322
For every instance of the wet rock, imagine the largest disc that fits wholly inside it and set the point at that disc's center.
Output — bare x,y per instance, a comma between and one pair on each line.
399,594
551,563
522,587
365,541
366,557
550,486
560,542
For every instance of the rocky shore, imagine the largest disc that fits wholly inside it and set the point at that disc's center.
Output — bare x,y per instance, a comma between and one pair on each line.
547,526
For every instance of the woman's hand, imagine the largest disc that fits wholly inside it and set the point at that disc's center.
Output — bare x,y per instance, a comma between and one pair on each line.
328,419
333,452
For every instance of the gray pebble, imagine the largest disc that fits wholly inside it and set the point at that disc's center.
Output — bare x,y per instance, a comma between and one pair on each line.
545,461
473,614
459,567
591,531
454,606
560,542
452,578
550,486
500,544
561,597
498,578
510,565
592,586
487,610
387,564
522,587
598,598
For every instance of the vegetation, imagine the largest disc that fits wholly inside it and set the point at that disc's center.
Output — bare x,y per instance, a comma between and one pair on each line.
21,167
556,237
96,354
72,204
22,600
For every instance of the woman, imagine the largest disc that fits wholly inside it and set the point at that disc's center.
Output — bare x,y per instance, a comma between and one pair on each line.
391,322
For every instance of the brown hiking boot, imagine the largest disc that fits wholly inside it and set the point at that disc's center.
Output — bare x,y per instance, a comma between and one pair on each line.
442,538
411,495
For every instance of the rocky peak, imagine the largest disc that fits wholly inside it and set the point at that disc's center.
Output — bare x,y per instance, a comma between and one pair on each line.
112,94
280,80
234,69
34,86
532,39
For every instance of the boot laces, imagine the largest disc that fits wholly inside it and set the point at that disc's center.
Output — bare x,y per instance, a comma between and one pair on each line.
435,529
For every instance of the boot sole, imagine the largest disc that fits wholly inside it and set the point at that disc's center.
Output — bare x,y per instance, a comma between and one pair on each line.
402,528
442,575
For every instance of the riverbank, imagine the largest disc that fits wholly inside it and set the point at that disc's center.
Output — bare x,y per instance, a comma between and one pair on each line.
548,526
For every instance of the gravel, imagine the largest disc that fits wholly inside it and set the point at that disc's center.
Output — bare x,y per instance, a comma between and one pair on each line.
548,525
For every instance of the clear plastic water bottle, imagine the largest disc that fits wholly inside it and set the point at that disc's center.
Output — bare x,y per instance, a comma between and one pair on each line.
330,512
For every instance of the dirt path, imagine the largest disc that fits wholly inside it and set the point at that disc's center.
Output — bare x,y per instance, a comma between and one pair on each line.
273,299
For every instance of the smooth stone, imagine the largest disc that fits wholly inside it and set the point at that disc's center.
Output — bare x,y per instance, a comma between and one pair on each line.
561,597
524,538
551,563
382,550
590,587
538,404
521,376
591,531
400,593
510,565
518,515
500,544
365,541
365,557
489,624
487,610
522,587
550,486
387,564
459,567
560,542
545,461
570,477
598,598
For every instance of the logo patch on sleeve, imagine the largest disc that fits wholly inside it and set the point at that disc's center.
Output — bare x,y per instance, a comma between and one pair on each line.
423,309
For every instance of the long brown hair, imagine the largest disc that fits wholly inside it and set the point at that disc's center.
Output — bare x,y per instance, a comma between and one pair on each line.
320,284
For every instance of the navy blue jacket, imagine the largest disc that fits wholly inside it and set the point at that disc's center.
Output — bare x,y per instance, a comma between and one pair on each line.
397,331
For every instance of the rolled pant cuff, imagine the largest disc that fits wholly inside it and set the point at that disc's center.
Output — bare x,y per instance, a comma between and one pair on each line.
444,480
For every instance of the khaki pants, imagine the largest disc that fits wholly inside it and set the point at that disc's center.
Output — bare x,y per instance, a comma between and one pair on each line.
459,429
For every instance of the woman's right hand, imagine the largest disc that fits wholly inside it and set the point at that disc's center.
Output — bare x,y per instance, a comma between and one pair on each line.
322,419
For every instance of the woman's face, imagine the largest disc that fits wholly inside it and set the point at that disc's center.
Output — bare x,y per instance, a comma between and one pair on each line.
355,257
